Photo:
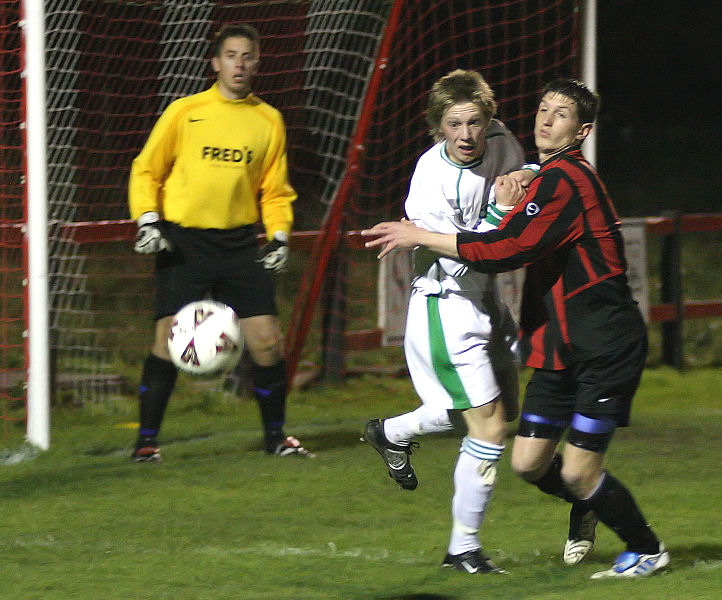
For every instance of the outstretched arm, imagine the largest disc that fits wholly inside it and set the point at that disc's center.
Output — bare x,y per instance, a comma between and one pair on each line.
391,235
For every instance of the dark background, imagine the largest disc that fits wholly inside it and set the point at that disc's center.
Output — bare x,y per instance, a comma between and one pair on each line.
658,136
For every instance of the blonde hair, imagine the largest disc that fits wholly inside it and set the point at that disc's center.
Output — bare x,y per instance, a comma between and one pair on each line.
453,88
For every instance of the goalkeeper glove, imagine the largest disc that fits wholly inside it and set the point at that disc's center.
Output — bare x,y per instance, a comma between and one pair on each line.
150,239
274,254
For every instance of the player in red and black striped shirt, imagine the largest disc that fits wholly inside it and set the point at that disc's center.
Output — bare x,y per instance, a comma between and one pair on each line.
580,328
576,303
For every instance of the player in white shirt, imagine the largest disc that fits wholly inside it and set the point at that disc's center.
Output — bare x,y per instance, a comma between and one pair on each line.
459,335
447,197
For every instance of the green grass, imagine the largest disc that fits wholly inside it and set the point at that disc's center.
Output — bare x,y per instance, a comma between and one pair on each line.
221,520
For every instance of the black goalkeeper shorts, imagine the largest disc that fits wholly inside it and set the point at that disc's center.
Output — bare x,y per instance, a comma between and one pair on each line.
599,388
213,263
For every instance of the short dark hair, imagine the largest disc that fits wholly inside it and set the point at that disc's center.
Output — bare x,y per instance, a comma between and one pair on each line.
229,31
587,101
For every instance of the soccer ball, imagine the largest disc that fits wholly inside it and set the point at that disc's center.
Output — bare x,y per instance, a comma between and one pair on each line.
205,338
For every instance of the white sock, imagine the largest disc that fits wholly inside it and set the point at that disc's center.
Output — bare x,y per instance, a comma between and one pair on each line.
474,481
425,419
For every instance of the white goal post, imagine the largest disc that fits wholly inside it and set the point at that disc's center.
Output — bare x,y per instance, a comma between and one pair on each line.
36,234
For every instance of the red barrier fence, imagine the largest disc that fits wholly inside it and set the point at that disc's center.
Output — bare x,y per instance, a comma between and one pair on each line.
670,312
668,226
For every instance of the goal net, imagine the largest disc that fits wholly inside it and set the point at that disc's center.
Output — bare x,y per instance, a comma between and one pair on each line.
12,325
518,46
355,127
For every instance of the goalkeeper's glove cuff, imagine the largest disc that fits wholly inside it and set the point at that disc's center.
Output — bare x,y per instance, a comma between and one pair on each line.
148,218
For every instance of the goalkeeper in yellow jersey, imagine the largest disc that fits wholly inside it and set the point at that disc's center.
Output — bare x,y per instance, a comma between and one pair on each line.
214,163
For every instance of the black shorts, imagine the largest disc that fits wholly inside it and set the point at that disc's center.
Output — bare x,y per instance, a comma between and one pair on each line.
213,263
602,387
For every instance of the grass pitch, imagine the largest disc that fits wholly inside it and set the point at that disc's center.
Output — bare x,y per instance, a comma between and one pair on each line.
221,520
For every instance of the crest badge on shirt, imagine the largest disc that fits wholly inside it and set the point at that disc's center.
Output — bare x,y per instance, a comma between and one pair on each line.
532,209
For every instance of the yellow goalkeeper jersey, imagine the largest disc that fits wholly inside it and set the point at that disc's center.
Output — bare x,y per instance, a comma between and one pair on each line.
210,162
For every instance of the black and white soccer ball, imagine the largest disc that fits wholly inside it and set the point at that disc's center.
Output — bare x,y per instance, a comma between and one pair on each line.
205,338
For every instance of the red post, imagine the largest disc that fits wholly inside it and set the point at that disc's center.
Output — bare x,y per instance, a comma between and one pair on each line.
331,229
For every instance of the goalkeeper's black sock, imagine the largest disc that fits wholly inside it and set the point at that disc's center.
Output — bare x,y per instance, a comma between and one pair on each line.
551,482
156,385
616,508
269,388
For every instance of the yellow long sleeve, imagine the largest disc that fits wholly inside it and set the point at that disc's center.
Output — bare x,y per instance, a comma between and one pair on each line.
211,162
